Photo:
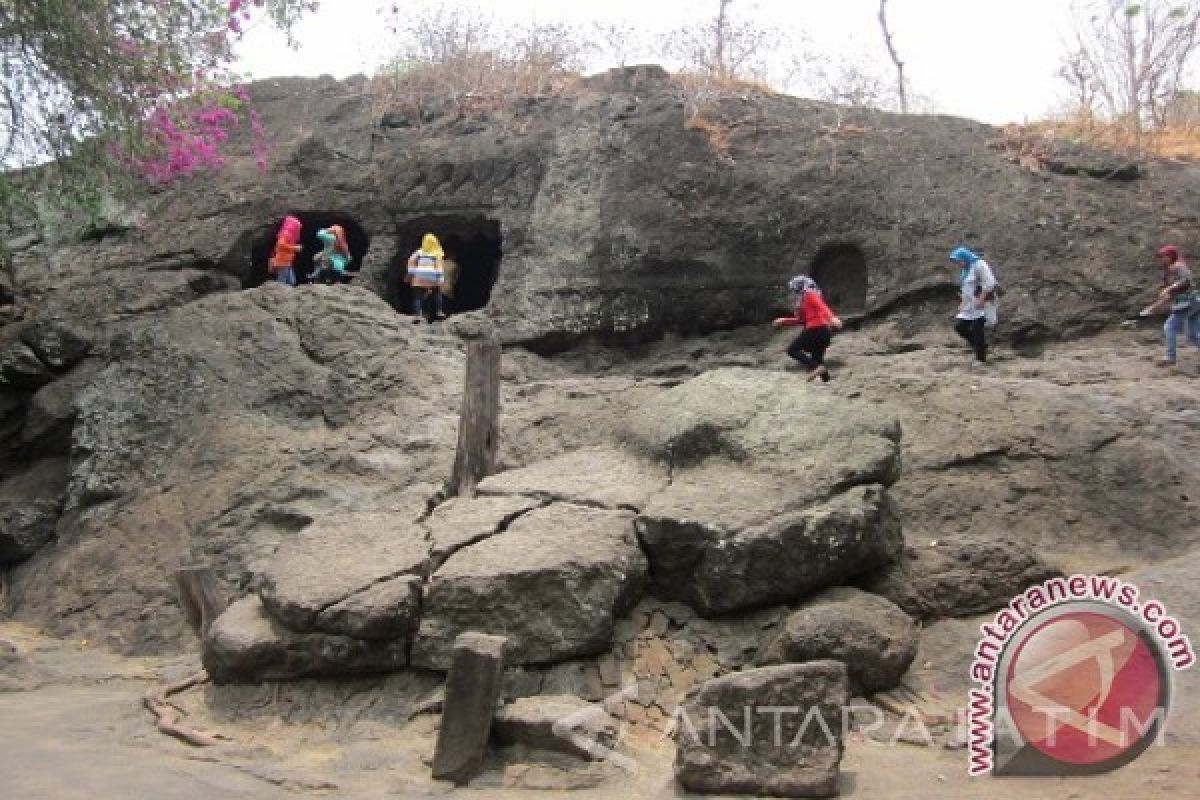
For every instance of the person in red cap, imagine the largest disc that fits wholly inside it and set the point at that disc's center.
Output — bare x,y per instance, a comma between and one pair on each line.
1179,295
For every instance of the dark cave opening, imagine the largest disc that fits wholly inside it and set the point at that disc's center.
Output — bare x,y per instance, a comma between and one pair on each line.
264,243
472,241
841,272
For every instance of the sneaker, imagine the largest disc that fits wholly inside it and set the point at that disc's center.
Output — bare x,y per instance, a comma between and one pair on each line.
813,373
824,375
1164,362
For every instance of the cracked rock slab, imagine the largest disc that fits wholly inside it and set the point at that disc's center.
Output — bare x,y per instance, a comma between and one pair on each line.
385,610
598,476
463,521
340,557
246,644
552,584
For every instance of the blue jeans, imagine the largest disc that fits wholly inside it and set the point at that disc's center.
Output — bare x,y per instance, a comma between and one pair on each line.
1187,319
287,276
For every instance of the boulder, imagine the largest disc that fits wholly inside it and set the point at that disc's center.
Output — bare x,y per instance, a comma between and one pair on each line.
340,575
959,577
769,731
562,723
717,570
472,692
777,489
874,639
30,505
552,583
246,644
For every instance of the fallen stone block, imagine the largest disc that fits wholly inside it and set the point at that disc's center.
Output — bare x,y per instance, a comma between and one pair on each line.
769,731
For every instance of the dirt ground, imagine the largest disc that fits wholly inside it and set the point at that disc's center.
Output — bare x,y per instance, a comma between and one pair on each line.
83,734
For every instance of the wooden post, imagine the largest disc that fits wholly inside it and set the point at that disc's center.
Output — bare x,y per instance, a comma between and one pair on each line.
200,595
479,420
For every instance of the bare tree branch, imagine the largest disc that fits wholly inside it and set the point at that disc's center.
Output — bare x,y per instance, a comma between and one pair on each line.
901,90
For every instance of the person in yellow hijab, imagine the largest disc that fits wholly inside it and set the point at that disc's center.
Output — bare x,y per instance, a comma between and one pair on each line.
427,275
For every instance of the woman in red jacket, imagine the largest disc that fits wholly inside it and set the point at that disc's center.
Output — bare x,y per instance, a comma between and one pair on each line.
818,322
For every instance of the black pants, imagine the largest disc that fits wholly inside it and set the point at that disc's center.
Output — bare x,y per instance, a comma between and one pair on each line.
423,298
973,331
810,346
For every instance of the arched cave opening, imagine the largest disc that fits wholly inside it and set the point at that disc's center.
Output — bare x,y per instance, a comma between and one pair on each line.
264,243
841,272
473,241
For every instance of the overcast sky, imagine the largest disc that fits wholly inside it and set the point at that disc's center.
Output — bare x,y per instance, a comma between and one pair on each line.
993,60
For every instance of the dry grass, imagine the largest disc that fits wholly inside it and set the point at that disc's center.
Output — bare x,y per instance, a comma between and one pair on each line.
1031,143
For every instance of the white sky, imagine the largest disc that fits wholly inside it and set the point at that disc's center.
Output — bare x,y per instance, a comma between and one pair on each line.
993,60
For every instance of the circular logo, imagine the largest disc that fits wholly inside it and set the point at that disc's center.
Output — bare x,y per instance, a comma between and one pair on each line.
1086,687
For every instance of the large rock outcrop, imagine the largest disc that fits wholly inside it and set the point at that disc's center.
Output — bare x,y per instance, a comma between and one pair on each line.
215,430
622,210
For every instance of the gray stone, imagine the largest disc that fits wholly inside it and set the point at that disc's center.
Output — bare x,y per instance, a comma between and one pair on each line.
21,368
874,639
462,521
472,692
51,411
246,644
30,505
959,577
339,557
794,750
601,477
792,555
561,723
385,610
551,583
57,343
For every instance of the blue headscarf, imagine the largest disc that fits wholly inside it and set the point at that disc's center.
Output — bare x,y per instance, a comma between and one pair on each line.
962,254
967,258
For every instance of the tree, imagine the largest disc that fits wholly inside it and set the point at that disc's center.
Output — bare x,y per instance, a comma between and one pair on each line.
140,84
724,48
901,87
1129,58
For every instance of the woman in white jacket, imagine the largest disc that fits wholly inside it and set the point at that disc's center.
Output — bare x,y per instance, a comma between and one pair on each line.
978,306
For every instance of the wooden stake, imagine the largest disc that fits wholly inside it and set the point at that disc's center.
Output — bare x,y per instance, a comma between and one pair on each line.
479,421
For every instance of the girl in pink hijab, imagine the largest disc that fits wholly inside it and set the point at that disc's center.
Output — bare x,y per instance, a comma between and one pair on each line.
287,245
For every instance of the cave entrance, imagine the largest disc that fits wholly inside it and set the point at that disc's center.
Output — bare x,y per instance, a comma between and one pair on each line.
264,243
841,272
475,244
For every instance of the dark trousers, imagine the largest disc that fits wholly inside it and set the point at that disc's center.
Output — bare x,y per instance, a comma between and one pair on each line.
810,346
419,298
974,332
